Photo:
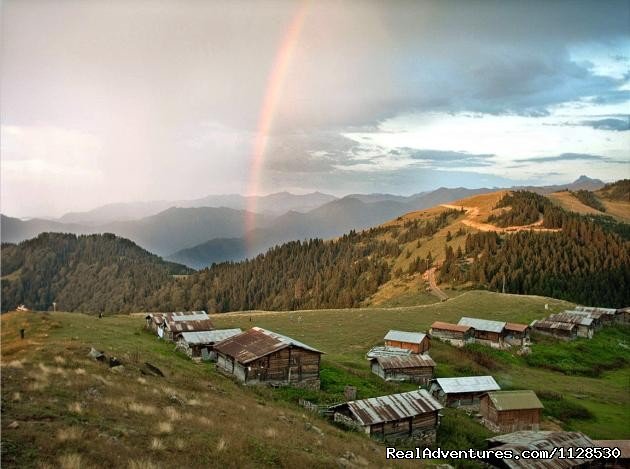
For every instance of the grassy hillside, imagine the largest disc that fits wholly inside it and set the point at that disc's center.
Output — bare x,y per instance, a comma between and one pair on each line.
71,409
73,412
602,395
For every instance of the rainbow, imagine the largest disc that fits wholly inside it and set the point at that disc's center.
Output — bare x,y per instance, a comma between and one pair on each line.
275,84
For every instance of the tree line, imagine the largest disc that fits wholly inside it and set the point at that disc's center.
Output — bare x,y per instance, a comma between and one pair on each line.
583,263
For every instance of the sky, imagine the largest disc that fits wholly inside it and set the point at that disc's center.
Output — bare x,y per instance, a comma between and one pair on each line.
150,100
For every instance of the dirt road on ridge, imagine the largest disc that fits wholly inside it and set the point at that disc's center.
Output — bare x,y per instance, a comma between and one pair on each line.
473,219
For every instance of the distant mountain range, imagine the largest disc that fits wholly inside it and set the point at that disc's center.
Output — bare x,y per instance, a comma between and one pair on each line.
273,204
212,229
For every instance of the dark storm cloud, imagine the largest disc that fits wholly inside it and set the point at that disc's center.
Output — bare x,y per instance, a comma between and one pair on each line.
452,159
618,125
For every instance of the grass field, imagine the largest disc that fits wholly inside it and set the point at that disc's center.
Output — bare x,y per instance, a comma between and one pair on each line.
345,336
71,411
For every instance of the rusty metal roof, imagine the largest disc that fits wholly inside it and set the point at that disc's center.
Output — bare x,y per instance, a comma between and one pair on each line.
208,337
447,326
540,440
402,336
256,343
393,407
571,318
623,445
482,324
188,326
467,384
545,324
411,361
514,326
515,400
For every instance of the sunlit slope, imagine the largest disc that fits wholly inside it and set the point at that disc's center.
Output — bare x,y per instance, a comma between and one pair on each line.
61,408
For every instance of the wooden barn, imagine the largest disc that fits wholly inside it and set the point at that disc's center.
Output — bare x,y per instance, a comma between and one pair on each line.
511,411
585,325
623,316
606,316
412,414
454,334
415,368
201,344
170,325
516,334
417,342
462,392
486,332
259,356
560,330
520,441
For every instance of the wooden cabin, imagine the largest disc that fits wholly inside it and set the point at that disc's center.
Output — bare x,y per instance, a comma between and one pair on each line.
415,368
462,392
486,332
516,334
560,330
453,334
517,442
511,411
413,414
259,356
600,319
585,325
200,345
607,316
623,316
417,342
169,325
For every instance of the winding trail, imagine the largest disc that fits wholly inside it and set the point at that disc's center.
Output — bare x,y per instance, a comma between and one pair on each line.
433,284
473,220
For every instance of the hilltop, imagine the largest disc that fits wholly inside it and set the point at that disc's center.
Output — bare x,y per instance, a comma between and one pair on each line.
98,273
491,241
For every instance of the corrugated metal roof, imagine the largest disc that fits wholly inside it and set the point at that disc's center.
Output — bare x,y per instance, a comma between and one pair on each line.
588,314
190,317
596,309
412,361
209,337
388,352
256,343
513,400
571,318
188,326
526,440
482,324
544,324
288,340
468,384
393,407
402,336
159,318
514,326
447,326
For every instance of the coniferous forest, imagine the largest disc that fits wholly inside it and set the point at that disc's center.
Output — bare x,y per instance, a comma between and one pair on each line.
586,261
